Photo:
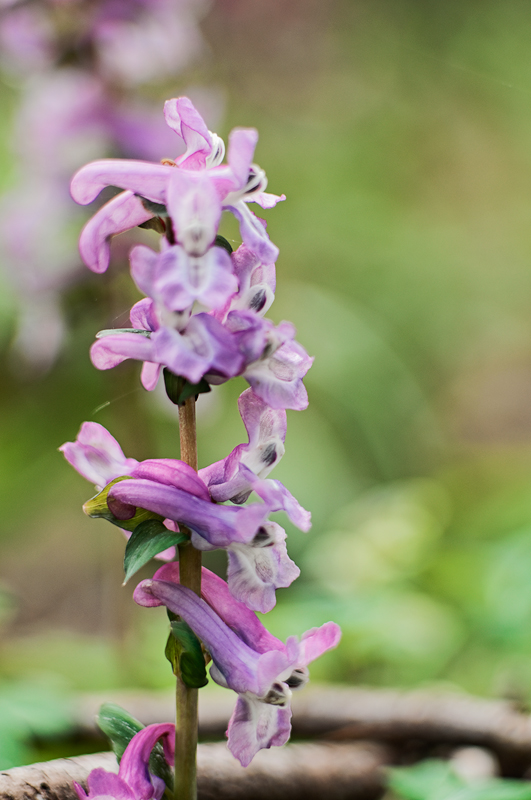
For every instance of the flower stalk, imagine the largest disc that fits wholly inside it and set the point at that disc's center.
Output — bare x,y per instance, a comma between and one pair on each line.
186,698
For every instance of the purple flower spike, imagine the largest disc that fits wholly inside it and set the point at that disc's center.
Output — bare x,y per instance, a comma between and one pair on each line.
194,190
97,456
266,431
262,678
134,780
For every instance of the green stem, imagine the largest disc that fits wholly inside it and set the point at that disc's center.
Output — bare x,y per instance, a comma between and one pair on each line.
190,575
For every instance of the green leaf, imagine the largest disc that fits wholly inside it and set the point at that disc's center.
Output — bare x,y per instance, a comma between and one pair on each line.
436,780
97,507
428,780
220,241
112,331
120,727
179,389
148,539
184,652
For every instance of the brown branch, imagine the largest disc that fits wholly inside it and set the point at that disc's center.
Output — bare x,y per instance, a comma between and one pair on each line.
343,713
297,771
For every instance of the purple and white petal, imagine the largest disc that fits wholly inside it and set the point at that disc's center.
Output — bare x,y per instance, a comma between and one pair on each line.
266,432
182,116
278,498
97,456
113,348
278,378
134,766
253,232
255,725
141,177
181,279
257,569
215,591
195,209
143,315
123,212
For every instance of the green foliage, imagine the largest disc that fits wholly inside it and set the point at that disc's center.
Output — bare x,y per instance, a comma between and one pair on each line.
147,540
29,709
97,507
184,652
120,727
436,780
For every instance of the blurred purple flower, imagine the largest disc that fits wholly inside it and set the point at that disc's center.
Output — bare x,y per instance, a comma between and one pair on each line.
97,456
193,192
261,677
134,780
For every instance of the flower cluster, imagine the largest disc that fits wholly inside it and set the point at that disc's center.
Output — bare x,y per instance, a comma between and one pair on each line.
203,317
76,63
202,322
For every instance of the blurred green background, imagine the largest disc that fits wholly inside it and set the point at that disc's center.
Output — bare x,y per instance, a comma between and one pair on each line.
401,135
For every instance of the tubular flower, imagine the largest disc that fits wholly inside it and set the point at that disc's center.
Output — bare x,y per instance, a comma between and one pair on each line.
261,677
134,780
189,193
258,559
266,432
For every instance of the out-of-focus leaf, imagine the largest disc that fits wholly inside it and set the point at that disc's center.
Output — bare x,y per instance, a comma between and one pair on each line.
119,727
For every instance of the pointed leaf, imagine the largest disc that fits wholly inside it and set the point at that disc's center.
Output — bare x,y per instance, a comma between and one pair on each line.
120,727
112,331
148,539
97,507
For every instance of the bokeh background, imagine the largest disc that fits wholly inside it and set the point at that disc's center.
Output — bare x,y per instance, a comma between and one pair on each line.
400,131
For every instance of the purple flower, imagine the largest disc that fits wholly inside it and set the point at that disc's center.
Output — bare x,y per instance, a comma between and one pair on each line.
134,780
194,191
97,455
170,488
275,364
266,432
262,677
257,283
175,279
201,346
258,560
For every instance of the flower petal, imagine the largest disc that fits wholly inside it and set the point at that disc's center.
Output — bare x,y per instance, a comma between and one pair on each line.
254,726
134,766
219,525
182,116
123,212
141,177
317,641
97,455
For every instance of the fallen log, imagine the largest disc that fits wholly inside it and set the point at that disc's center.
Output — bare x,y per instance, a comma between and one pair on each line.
309,771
